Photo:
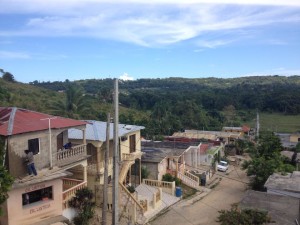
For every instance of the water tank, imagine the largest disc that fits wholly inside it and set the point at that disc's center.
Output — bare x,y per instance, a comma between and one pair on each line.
178,192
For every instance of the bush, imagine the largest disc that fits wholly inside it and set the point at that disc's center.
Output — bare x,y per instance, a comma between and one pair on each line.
82,203
169,178
244,216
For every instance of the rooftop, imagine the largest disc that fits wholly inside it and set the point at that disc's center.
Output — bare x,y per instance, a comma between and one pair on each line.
17,121
282,209
158,154
289,182
96,131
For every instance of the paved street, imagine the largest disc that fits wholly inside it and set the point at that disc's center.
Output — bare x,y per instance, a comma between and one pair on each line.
204,210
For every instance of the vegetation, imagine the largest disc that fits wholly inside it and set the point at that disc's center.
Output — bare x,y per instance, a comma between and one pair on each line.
235,216
83,204
169,178
144,172
6,180
265,160
165,106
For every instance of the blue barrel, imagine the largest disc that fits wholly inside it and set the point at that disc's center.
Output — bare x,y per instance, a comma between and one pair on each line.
178,192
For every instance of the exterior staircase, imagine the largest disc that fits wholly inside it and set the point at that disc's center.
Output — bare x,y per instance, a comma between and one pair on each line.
146,191
189,179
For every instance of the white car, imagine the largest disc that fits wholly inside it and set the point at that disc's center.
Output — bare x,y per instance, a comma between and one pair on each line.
223,166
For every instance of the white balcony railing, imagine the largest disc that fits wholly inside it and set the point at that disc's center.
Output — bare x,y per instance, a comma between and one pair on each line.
65,156
168,187
131,156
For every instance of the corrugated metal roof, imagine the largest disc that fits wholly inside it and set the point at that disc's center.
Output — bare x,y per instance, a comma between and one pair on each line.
96,131
17,121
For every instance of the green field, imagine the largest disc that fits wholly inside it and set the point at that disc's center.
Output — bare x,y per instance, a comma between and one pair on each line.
278,122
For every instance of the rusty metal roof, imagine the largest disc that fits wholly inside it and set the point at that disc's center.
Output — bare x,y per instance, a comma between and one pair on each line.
17,121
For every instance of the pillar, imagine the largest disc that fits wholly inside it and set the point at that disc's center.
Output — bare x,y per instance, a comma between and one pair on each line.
84,173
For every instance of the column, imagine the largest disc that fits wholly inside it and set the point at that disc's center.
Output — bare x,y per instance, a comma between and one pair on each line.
84,173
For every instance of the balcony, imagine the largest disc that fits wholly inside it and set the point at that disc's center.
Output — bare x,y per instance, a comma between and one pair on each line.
131,156
65,157
70,186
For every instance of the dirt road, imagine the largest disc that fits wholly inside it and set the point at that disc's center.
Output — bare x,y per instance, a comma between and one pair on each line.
204,210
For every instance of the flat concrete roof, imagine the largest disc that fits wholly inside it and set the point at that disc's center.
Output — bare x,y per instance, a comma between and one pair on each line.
156,155
282,209
289,182
43,175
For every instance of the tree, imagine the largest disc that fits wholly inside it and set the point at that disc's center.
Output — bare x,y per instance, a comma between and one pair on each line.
265,160
72,105
83,204
6,180
236,216
8,77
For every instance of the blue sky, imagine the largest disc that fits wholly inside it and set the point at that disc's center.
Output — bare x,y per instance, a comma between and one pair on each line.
81,39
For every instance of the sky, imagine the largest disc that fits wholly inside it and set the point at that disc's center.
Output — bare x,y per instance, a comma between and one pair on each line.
56,40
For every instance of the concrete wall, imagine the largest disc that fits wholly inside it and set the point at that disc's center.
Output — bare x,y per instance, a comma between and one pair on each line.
294,137
18,214
18,143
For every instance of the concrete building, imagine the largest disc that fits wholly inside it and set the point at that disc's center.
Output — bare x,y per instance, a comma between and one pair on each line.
41,199
287,185
283,210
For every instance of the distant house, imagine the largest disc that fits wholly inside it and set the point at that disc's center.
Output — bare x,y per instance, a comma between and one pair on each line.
295,137
287,185
222,136
42,199
242,130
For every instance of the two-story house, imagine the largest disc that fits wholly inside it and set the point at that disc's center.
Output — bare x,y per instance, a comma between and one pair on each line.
41,199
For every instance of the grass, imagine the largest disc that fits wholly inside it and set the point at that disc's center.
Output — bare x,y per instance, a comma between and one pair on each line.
278,122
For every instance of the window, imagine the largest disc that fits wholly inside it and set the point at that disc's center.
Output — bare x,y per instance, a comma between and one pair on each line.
37,195
132,143
34,145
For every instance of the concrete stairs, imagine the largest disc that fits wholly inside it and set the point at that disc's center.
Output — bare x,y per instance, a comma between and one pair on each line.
147,192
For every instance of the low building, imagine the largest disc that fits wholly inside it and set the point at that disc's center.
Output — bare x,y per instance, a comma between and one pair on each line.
295,137
287,185
41,199
283,210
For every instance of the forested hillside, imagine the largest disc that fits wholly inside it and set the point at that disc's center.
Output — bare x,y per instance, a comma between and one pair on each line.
162,105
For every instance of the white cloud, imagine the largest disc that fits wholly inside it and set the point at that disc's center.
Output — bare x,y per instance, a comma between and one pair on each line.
13,55
157,24
125,76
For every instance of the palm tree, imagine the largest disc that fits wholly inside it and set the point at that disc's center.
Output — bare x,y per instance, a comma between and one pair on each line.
73,105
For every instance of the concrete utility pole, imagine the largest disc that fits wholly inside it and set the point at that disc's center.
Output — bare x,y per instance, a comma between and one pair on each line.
116,157
50,143
257,124
106,153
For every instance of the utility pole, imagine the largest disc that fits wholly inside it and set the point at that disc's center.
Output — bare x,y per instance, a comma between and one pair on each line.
50,143
106,153
257,125
115,215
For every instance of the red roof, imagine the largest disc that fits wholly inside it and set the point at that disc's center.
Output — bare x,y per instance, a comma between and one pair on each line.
203,148
245,128
16,121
